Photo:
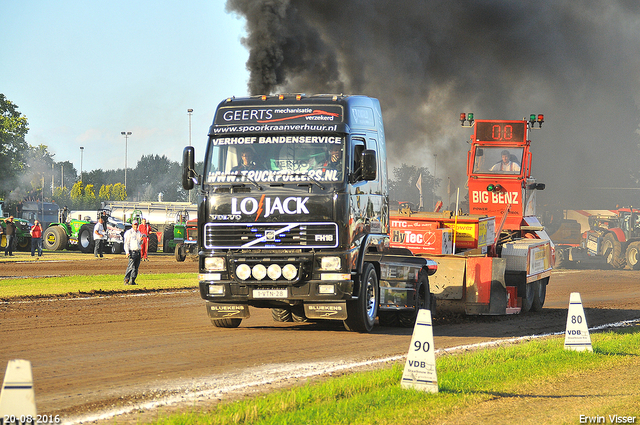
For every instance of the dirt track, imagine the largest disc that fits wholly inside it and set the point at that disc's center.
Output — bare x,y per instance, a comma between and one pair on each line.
88,354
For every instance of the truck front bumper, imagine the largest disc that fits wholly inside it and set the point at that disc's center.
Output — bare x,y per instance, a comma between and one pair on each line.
272,295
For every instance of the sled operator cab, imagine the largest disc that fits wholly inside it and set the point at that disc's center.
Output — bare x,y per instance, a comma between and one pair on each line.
499,169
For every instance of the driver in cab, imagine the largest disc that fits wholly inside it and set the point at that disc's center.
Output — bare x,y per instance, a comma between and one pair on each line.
506,164
247,161
333,161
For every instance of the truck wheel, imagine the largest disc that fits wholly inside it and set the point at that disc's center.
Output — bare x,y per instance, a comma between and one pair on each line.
388,319
633,255
527,293
612,250
116,248
361,313
54,238
297,314
180,252
281,315
153,242
226,323
539,293
423,302
85,238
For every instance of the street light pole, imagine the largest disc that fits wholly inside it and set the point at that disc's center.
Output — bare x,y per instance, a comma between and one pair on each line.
189,111
126,135
81,159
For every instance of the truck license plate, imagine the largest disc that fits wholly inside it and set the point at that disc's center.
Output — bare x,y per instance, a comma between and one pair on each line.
269,293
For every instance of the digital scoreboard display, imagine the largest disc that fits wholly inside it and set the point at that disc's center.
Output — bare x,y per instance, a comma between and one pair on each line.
500,131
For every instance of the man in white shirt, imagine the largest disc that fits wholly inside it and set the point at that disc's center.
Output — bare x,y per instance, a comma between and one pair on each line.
99,236
506,164
132,246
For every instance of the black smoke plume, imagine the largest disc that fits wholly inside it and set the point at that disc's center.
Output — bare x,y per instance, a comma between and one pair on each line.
576,61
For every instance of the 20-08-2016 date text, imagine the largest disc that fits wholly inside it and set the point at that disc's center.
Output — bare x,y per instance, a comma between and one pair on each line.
28,419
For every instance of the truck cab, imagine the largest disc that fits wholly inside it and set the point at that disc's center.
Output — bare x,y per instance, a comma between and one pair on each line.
294,212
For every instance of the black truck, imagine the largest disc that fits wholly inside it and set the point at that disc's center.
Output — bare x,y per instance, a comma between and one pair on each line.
293,214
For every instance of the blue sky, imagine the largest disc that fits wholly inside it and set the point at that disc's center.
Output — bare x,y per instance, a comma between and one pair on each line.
83,71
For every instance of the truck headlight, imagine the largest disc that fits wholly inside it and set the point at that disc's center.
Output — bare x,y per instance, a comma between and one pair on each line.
274,272
243,272
289,272
330,263
214,264
259,271
216,289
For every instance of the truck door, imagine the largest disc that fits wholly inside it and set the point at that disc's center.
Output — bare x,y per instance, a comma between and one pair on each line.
366,197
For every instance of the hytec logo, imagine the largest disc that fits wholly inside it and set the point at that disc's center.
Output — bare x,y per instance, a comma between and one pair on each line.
484,197
409,237
293,205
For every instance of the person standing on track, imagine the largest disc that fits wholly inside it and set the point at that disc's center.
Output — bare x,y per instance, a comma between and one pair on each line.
132,244
36,239
99,236
10,236
144,228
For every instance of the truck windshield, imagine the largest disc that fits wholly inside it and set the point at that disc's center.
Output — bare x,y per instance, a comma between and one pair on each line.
275,159
497,160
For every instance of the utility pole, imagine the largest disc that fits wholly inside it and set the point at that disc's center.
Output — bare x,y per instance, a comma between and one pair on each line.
126,135
189,111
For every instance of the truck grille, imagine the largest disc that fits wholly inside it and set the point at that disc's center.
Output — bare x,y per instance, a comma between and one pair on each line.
270,235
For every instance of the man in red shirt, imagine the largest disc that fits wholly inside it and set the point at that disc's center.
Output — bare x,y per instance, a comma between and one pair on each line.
144,228
36,239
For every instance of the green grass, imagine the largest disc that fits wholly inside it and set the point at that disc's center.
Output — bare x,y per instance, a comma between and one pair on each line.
62,285
465,382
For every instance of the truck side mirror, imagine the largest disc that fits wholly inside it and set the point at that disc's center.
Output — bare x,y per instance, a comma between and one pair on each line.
188,167
369,165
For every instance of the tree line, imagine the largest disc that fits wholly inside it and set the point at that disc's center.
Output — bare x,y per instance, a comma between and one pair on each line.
30,173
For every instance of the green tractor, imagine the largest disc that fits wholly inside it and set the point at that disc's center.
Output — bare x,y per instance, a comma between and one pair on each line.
176,232
78,233
189,246
23,234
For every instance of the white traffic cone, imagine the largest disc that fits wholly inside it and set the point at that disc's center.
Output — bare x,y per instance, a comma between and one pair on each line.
576,336
420,368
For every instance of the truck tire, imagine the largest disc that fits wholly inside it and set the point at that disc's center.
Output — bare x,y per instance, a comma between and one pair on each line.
388,319
297,314
612,250
54,238
527,293
281,315
226,323
153,242
180,252
361,313
539,293
633,255
116,248
423,302
85,238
